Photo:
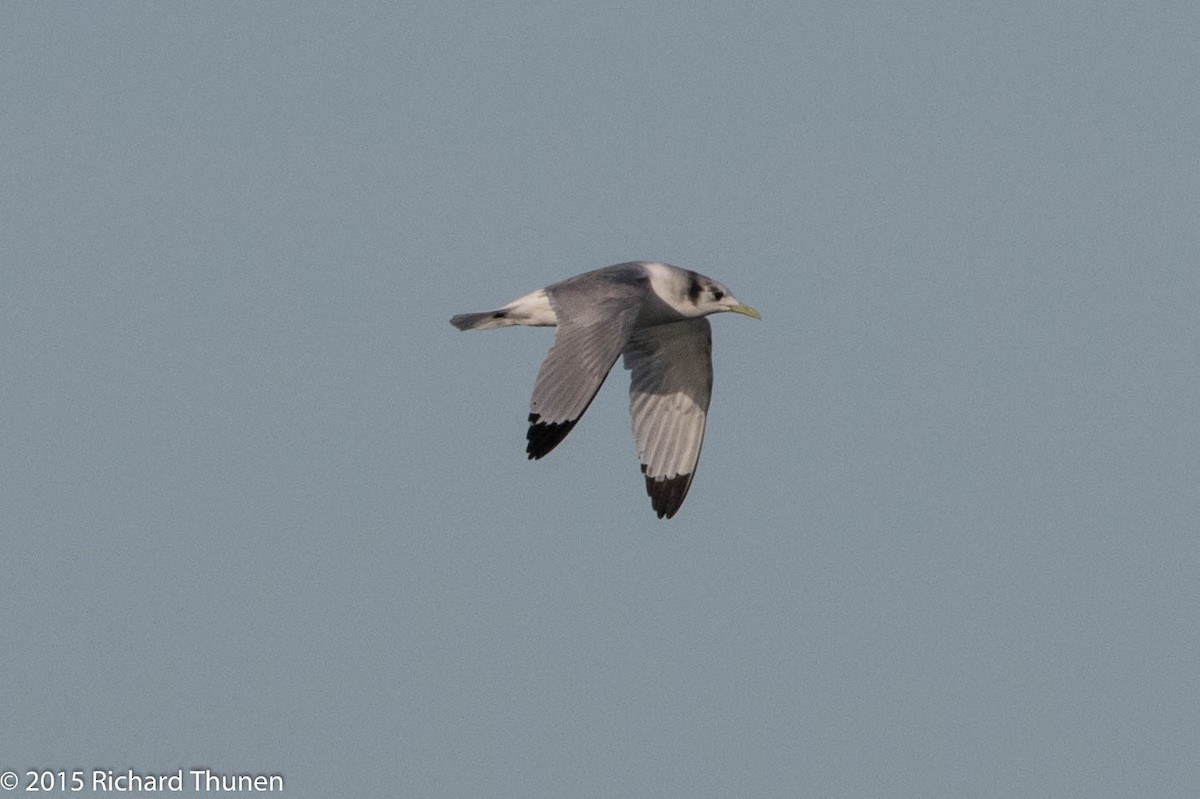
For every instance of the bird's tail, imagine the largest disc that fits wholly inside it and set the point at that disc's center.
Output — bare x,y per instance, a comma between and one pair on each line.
533,309
484,320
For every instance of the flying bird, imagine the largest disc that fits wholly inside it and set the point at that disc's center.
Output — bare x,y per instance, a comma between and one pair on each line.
653,314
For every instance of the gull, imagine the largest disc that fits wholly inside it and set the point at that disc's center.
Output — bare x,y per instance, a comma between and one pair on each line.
653,314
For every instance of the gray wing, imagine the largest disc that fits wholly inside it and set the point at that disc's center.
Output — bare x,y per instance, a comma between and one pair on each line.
670,388
596,312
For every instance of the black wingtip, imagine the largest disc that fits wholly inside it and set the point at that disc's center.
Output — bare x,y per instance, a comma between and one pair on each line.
667,493
545,436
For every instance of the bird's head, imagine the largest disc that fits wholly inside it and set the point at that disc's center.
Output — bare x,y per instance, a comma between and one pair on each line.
709,296
683,293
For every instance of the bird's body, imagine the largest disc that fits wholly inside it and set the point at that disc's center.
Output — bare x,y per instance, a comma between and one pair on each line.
652,313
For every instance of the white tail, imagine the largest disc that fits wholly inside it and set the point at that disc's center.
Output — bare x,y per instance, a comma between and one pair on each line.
533,309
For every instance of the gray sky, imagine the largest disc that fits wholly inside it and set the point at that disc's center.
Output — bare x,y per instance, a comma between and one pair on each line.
265,510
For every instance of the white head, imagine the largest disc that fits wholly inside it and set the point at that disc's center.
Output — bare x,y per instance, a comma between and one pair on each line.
692,294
